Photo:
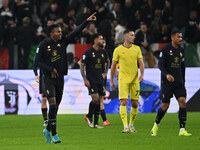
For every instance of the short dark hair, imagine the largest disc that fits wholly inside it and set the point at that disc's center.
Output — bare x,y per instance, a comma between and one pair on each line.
96,35
143,23
52,27
127,31
175,31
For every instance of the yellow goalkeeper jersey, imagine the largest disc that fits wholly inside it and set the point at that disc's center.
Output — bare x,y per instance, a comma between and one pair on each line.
128,62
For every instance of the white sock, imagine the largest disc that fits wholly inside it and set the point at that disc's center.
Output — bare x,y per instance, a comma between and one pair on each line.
125,126
156,124
181,129
130,124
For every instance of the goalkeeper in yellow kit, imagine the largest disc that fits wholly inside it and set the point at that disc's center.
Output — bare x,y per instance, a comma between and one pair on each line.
128,56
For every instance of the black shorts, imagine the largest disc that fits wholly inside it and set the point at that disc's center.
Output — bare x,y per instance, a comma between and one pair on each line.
169,89
41,86
105,82
97,88
53,87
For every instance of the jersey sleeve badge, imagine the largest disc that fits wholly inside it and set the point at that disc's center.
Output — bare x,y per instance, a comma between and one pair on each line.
170,52
160,54
37,51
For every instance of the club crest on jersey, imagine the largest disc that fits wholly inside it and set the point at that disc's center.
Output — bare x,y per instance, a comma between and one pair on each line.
102,55
54,53
93,55
181,54
176,59
170,52
98,60
58,45
134,52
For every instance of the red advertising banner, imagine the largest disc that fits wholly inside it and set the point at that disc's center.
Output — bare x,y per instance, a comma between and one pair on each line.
80,49
4,58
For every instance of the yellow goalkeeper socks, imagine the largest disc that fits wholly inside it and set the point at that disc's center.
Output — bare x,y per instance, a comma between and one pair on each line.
123,114
133,114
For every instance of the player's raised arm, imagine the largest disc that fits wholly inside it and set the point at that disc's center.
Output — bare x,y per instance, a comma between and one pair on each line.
81,27
92,17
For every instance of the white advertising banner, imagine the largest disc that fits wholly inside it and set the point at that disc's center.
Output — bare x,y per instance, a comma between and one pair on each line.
19,93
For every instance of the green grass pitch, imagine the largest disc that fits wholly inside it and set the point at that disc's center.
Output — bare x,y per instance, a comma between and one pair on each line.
25,133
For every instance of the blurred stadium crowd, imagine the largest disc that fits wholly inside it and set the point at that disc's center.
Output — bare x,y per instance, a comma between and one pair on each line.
24,23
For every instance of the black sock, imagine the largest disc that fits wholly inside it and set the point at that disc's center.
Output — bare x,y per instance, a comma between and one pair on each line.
103,114
182,114
92,107
57,110
52,119
49,126
44,113
160,115
96,114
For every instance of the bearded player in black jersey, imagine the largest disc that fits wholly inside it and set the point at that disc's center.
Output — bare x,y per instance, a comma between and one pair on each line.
94,62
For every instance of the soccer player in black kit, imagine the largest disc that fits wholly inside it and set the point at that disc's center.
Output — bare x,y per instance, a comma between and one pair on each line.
172,67
51,57
94,62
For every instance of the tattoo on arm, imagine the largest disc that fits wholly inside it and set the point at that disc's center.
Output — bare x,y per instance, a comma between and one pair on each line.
107,65
82,68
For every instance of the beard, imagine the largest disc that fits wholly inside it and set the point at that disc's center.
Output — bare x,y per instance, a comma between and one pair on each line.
101,45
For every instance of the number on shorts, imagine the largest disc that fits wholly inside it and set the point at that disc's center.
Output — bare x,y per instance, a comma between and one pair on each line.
137,92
